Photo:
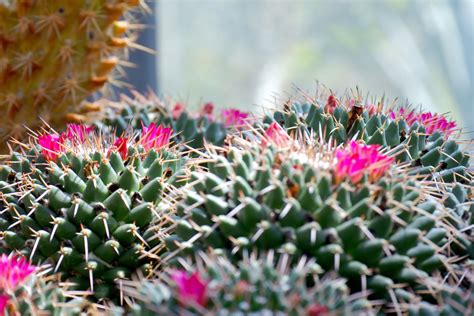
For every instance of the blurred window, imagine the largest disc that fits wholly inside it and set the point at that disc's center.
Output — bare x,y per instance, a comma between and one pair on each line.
243,53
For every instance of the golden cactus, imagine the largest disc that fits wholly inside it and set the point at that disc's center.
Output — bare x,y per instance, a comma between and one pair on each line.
56,53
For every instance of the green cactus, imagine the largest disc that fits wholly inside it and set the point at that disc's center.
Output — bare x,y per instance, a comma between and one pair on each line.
192,129
87,209
251,287
25,290
457,302
41,295
379,233
423,139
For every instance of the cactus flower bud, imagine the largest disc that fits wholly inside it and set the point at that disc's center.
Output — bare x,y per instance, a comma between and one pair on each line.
155,137
275,135
191,287
357,159
51,145
234,117
13,271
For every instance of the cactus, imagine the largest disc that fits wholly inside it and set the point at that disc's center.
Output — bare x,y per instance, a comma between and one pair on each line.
24,290
353,209
84,203
192,129
358,210
457,302
254,286
54,55
424,139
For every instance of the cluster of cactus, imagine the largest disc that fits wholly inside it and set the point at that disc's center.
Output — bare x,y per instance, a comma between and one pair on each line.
389,235
339,208
86,204
420,138
192,129
256,286
55,54
25,290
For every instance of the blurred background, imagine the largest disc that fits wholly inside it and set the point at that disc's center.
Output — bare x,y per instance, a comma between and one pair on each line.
251,53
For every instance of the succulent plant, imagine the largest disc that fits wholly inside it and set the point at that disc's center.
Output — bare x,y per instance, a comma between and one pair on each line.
192,129
352,208
84,203
55,54
456,302
24,290
255,286
423,139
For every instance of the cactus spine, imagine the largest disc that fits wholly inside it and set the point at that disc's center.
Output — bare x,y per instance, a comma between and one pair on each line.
87,208
54,54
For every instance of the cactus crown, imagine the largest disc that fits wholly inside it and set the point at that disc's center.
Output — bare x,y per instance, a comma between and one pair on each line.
85,203
352,208
213,285
192,129
25,290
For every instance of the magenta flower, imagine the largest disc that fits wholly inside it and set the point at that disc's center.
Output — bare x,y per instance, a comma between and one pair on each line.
51,145
207,110
191,288
120,146
409,116
372,109
356,159
155,137
432,122
317,310
77,133
331,104
13,270
234,117
3,304
276,135
178,109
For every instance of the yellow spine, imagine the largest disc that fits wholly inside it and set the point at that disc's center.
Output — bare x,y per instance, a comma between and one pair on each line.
53,55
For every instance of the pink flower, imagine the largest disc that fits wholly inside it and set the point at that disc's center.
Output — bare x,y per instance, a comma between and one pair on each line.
432,122
207,110
357,159
317,310
191,288
120,146
371,109
276,135
409,116
3,304
13,271
233,117
178,109
77,133
331,104
436,123
155,137
51,145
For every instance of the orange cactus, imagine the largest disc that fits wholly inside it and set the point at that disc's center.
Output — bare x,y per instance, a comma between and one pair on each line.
54,54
